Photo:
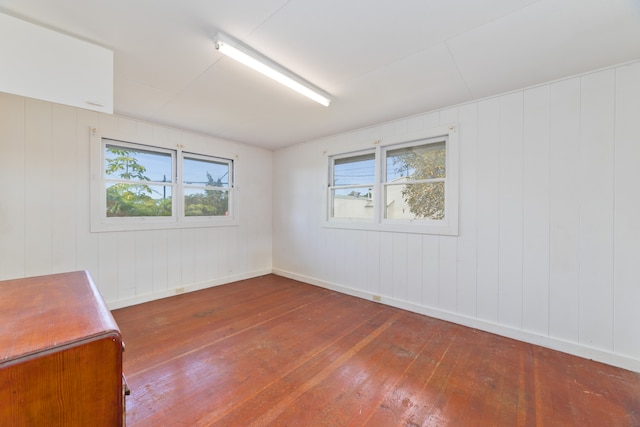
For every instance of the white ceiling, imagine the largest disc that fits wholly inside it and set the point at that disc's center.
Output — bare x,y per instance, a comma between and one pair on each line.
380,60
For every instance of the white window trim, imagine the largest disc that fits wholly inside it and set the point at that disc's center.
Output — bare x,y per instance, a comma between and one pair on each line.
199,221
328,199
101,223
448,226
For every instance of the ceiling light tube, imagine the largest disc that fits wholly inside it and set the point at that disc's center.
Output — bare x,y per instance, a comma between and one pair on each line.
249,57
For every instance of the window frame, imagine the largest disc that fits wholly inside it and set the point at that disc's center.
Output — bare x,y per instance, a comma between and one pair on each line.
385,184
100,222
107,180
183,186
332,188
446,226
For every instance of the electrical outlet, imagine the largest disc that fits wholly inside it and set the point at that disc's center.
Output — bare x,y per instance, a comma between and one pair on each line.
377,298
179,290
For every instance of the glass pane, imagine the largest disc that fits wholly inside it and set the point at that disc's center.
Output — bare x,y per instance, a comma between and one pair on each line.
352,203
415,201
206,202
354,170
135,164
419,162
133,200
205,172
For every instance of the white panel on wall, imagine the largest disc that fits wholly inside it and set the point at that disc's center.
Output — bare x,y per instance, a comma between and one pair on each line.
626,289
414,267
535,232
430,270
468,228
38,188
127,264
341,260
127,129
160,265
386,264
373,257
400,255
200,257
325,258
488,213
564,206
224,252
12,202
233,248
596,209
212,251
107,279
447,270
43,64
63,163
86,243
349,259
510,240
144,262
361,259
431,120
187,266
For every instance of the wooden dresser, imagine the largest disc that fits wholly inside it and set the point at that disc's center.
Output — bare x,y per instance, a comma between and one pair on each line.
60,354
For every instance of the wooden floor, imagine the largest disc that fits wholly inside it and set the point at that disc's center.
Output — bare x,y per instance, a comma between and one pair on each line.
275,352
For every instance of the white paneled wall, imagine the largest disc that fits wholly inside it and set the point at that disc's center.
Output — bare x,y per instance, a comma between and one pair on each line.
549,243
626,211
548,249
45,209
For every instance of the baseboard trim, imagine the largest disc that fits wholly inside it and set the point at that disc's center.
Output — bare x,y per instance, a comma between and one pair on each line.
139,299
553,343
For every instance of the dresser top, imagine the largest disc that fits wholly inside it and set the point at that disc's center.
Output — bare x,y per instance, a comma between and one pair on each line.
38,314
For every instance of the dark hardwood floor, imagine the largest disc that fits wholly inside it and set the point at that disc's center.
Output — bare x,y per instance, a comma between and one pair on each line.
271,351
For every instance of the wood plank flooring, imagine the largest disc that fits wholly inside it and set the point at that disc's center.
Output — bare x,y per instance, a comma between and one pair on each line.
271,351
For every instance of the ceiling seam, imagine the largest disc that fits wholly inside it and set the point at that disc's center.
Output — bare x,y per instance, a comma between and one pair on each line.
436,43
213,64
268,18
494,20
457,67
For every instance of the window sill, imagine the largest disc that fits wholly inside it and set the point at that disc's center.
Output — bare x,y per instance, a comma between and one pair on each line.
413,227
143,224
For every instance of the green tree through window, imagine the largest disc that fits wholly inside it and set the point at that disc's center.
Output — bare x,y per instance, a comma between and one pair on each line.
132,195
208,202
423,171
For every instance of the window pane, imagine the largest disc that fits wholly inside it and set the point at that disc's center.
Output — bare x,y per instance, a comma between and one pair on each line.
352,203
415,201
206,202
134,200
136,164
354,170
205,172
419,162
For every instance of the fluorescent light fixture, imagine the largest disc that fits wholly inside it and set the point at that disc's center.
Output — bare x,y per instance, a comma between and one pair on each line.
249,57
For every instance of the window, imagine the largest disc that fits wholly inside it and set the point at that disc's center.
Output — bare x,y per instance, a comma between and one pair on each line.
138,182
351,188
206,186
414,185
400,185
143,187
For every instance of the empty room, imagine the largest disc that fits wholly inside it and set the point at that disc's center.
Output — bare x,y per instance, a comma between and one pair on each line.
320,213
